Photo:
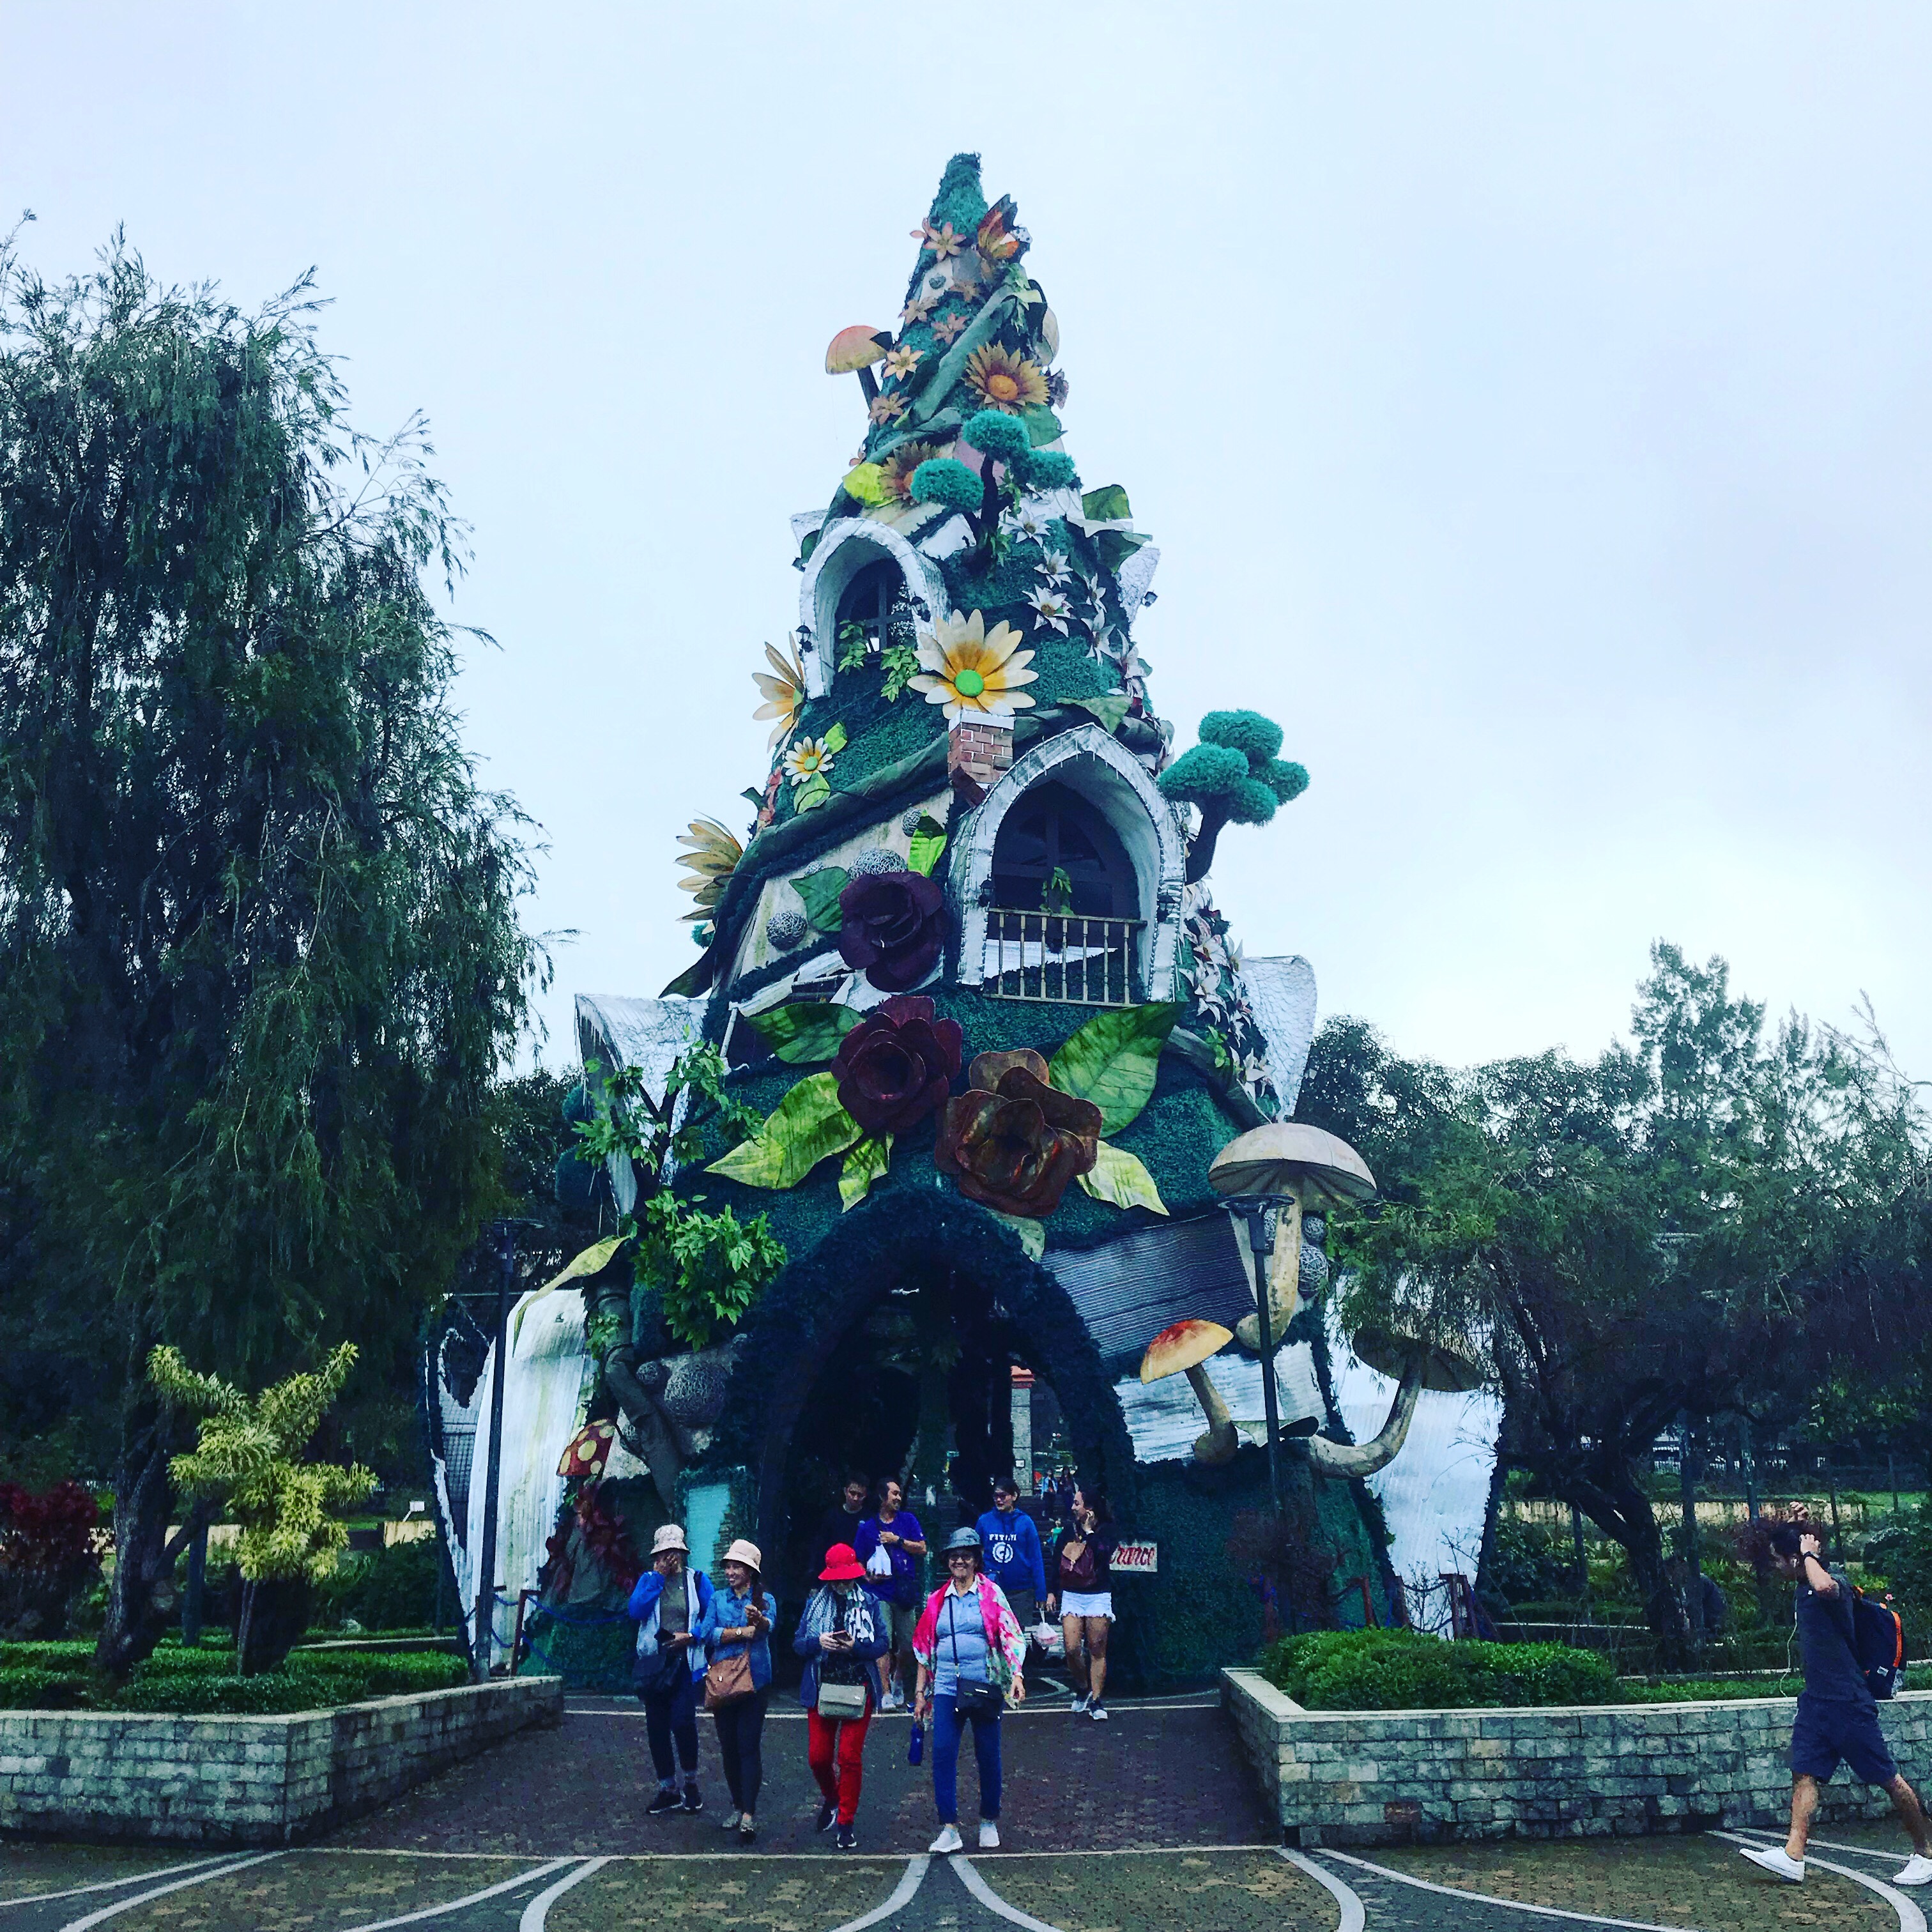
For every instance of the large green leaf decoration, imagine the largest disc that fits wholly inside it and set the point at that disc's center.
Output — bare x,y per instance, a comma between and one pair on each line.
1122,1178
808,1031
1033,1236
928,841
819,891
863,1166
805,1127
1109,709
1112,1059
1108,504
593,1260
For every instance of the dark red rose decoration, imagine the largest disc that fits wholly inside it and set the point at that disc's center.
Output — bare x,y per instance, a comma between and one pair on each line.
1013,1141
893,928
895,1066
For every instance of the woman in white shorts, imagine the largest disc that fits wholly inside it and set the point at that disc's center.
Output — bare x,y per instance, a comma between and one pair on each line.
1083,1555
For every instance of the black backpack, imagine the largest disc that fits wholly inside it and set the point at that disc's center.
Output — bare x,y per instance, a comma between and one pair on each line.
1878,1642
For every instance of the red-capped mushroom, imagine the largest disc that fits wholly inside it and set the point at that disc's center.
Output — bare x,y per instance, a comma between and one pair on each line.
1184,1349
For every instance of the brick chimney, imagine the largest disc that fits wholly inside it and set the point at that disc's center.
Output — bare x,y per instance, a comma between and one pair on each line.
978,749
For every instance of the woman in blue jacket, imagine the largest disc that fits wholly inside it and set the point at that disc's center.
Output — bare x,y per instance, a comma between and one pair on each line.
668,1607
738,1624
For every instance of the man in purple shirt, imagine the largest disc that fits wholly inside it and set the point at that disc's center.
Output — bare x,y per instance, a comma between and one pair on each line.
895,1531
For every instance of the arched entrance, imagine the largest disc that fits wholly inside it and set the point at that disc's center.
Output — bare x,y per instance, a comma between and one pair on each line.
842,1348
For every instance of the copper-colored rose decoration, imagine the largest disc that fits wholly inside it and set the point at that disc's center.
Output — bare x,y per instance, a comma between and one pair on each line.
895,1066
1014,1141
893,928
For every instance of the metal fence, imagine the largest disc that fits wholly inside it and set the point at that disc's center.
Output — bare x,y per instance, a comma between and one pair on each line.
1062,956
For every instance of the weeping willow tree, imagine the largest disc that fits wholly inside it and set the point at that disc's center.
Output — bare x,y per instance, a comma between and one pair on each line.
259,954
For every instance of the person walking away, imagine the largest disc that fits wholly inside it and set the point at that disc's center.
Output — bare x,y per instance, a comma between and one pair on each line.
668,1607
1083,1554
842,1638
971,1654
739,1625
840,1523
1837,1716
1009,1540
891,1545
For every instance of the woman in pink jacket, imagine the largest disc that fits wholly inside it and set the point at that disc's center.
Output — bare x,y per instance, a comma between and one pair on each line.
970,1652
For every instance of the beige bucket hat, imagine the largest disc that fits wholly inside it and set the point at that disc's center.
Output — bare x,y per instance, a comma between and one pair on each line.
669,1538
746,1553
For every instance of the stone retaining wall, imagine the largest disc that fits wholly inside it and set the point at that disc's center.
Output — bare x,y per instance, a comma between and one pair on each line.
246,1781
1370,1777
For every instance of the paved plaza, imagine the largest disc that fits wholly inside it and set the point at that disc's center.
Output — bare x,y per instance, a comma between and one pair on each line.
1149,1821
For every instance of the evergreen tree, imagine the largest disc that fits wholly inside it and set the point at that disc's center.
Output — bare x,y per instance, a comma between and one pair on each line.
259,958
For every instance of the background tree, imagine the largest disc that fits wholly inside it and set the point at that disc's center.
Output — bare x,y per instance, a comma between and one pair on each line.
1702,1223
259,958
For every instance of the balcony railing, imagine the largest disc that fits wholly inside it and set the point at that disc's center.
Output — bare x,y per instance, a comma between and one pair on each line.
1064,956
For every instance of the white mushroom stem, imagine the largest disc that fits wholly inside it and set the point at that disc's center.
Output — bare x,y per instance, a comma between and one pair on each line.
1284,1281
1364,1458
1220,1443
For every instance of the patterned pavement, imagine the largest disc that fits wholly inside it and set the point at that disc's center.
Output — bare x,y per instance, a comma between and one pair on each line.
1151,1821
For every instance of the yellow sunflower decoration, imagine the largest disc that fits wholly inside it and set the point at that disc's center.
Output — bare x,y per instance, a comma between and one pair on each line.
1005,381
783,690
713,857
972,672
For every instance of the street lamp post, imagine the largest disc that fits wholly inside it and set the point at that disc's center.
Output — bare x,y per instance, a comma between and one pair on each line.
1253,1209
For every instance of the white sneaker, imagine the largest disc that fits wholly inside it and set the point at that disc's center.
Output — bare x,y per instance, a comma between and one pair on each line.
1080,1705
948,1841
1918,1871
1775,1860
894,1701
1097,1711
989,1835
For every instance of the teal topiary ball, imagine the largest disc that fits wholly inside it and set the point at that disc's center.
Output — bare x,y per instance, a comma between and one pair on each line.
1208,771
1247,732
1252,802
1285,778
1053,469
997,433
943,481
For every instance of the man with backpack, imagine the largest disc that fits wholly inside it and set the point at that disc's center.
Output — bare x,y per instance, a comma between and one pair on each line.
1838,1714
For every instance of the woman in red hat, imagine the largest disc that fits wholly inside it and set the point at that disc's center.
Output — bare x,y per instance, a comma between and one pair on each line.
842,1637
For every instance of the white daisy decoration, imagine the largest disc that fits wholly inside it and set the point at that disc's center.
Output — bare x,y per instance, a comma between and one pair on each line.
1051,609
1025,523
1053,566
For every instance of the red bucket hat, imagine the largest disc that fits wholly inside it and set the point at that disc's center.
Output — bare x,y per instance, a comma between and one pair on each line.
842,1565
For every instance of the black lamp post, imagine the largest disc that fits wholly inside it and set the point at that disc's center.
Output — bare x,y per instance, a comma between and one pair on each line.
504,1238
1254,1209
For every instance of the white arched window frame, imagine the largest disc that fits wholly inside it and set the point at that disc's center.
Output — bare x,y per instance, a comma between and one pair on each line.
845,548
1091,762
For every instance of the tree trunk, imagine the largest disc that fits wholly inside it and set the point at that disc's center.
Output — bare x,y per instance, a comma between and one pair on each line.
141,1599
274,1618
1617,1503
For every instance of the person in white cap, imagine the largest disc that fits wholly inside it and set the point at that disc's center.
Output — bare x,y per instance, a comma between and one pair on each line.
738,1624
669,1606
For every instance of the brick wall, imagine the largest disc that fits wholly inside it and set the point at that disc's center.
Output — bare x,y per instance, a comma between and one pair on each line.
1364,1778
246,1781
977,751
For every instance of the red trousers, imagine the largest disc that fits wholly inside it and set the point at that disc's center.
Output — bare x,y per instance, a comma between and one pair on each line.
844,1742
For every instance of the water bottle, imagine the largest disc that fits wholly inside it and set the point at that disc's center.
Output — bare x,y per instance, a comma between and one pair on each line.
916,1751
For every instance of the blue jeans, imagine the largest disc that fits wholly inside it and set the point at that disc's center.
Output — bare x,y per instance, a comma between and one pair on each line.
671,1713
945,1759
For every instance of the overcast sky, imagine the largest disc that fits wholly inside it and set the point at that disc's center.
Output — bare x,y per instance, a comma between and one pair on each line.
1531,405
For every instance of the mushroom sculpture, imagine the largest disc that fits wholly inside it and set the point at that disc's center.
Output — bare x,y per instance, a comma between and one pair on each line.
1304,1167
1415,1362
855,350
1186,1346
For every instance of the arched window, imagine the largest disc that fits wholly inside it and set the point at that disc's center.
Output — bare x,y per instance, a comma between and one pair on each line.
874,611
1056,853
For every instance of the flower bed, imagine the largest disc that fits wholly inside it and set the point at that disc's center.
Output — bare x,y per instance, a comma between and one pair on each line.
58,1677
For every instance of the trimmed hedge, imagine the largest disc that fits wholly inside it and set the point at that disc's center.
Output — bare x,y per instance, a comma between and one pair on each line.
59,1677
1400,1670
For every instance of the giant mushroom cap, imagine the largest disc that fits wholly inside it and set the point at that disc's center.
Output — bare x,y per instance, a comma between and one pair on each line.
1448,1368
858,347
1185,1345
1289,1157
